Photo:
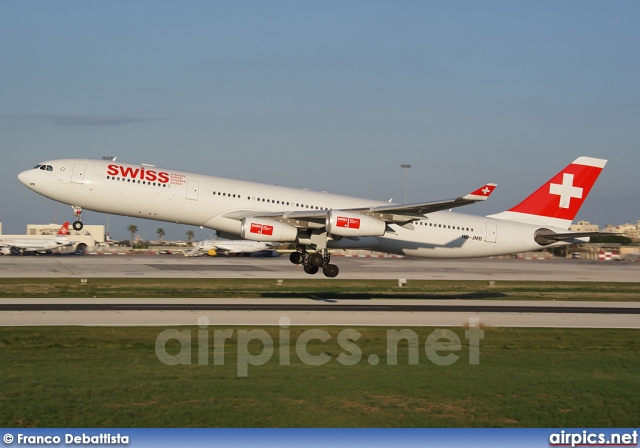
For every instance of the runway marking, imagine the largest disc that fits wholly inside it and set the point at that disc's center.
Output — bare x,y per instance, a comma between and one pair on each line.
322,307
216,267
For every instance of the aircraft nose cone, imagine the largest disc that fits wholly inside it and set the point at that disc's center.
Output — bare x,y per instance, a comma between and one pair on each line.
24,177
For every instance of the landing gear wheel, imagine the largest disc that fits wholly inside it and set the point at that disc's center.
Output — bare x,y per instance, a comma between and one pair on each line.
311,269
316,260
296,257
331,270
77,212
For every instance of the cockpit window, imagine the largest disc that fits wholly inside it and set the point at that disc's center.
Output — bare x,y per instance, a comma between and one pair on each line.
36,167
44,167
49,168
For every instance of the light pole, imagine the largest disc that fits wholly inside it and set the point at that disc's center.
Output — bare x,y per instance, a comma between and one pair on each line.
407,166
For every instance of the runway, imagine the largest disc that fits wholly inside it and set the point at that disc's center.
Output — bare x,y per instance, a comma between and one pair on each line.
314,312
175,266
317,312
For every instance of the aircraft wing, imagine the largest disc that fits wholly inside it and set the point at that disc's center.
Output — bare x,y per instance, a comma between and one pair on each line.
420,209
393,213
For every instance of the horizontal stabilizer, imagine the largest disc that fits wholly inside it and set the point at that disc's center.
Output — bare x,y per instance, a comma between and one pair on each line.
545,237
570,235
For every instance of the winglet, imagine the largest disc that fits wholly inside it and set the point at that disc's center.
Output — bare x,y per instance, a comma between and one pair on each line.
481,194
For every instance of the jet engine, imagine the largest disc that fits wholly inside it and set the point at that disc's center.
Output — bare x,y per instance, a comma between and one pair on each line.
340,223
256,229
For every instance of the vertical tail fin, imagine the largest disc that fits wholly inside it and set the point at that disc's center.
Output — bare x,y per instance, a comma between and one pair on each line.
557,202
64,231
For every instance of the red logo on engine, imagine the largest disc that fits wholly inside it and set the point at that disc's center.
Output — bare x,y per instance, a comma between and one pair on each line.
261,229
345,222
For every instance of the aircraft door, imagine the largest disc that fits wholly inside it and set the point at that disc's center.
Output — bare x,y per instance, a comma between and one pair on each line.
193,187
492,232
77,177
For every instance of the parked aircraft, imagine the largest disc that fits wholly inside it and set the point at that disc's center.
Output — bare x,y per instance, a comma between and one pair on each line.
230,247
317,221
36,245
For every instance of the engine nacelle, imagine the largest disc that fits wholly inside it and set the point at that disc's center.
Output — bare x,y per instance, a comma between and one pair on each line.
342,223
256,229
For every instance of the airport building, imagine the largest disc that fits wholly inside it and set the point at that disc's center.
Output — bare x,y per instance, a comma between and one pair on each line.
629,230
584,226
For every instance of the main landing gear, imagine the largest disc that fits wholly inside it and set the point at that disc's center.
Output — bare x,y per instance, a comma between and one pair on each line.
313,262
77,224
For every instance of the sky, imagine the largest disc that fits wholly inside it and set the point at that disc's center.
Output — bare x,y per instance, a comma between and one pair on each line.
331,95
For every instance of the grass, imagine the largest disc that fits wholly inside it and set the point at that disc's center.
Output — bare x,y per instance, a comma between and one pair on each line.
111,377
309,288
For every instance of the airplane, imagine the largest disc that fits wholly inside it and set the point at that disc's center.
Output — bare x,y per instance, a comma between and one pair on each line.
318,221
39,245
230,247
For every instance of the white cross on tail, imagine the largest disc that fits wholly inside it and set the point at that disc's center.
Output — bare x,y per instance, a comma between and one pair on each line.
566,190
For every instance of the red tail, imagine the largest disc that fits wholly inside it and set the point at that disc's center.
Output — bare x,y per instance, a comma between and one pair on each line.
558,201
64,230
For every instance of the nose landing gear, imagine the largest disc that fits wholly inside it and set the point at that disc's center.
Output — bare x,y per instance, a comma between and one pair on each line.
77,224
313,262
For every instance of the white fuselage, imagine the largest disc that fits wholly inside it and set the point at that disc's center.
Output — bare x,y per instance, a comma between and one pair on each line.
143,191
33,245
231,247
